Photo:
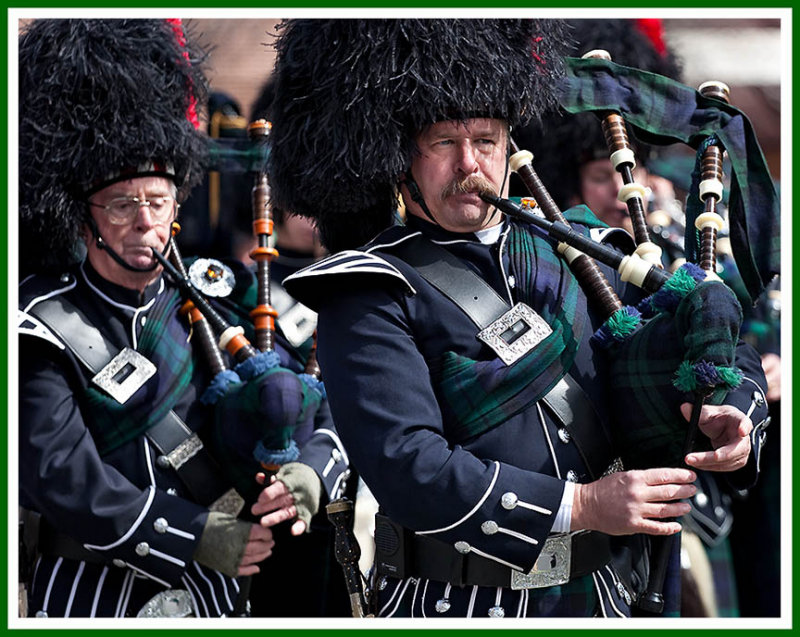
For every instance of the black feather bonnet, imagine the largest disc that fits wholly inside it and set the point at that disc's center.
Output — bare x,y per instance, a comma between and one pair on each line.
351,95
96,98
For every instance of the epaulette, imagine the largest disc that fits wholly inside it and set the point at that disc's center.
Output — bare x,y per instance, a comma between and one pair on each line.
616,237
308,284
34,290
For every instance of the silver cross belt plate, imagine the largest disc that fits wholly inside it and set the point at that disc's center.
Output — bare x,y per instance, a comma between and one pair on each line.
551,568
515,333
124,374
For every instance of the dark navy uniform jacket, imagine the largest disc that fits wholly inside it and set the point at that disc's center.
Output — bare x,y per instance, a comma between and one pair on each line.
135,516
381,328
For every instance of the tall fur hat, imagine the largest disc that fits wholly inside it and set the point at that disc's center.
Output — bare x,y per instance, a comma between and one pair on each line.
98,98
350,95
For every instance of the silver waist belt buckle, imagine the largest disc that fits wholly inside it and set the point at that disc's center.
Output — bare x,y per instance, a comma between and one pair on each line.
515,333
168,603
551,568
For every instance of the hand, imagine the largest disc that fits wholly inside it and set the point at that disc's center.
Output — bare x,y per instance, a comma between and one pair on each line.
277,501
630,502
258,548
772,370
729,430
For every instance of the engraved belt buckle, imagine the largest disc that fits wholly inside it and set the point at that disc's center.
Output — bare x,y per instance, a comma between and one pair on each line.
124,374
168,603
551,568
515,333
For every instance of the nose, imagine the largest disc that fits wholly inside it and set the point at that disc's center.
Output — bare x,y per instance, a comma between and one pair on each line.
144,217
467,162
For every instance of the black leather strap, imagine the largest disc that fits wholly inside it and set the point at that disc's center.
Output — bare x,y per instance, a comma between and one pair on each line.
199,474
570,405
449,275
429,558
56,544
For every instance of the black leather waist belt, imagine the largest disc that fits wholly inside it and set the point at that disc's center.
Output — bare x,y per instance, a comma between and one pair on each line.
401,553
53,543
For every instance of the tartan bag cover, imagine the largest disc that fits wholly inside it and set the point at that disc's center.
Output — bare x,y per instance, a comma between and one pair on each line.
685,345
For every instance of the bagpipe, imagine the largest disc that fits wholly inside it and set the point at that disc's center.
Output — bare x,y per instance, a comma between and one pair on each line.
678,344
259,403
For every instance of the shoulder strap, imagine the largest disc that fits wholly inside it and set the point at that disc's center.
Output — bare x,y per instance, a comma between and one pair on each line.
448,274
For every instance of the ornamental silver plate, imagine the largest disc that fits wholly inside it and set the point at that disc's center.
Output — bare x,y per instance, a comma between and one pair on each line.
212,277
515,333
124,375
551,568
168,603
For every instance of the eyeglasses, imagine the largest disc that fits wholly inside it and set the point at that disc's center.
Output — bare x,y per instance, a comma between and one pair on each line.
122,210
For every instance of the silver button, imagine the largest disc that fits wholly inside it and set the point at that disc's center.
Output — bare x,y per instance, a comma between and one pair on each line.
442,605
382,583
497,611
512,282
572,476
345,474
719,511
144,320
509,500
489,527
142,549
336,455
758,398
42,613
463,547
172,491
563,435
160,525
701,499
64,279
118,562
163,462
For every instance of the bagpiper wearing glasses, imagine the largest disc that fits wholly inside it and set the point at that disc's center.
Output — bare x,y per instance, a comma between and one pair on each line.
117,462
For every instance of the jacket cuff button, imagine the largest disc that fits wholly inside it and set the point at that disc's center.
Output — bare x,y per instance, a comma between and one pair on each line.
160,525
142,549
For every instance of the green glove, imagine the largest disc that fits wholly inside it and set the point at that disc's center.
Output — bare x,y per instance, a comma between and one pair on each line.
222,543
306,489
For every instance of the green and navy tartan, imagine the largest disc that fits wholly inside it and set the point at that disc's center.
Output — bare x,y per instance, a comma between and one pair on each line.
476,396
644,372
663,111
162,342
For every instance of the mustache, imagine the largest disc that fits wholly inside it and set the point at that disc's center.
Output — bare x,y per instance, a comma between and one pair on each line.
472,183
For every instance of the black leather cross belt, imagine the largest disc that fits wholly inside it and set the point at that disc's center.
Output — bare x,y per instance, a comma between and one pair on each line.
401,553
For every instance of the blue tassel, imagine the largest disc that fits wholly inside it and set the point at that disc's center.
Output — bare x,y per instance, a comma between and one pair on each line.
258,364
219,386
276,456
314,383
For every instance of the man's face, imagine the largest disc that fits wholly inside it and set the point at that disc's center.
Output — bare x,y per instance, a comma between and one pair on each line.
600,184
131,240
456,161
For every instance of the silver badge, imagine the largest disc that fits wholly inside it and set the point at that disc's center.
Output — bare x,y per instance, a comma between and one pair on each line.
212,277
124,374
552,567
168,603
515,333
